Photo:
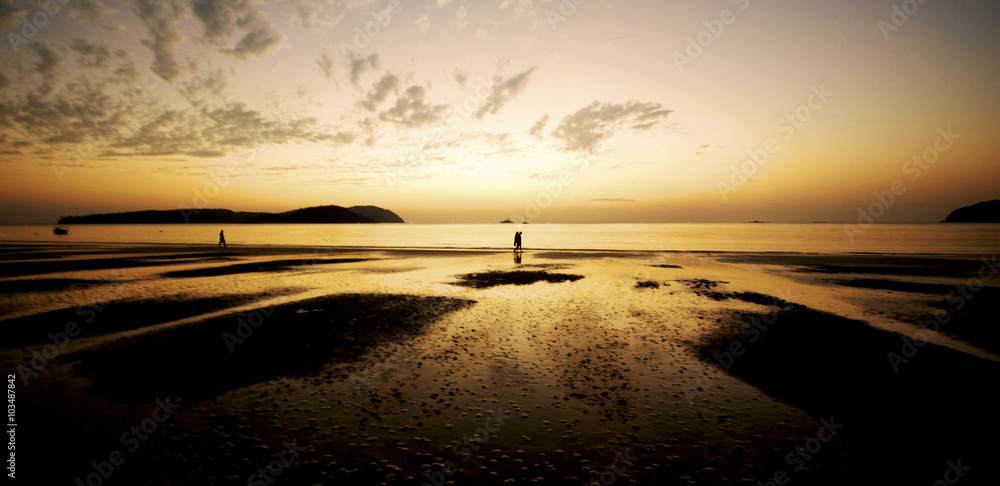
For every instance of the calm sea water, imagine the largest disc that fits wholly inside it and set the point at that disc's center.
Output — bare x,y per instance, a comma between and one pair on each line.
976,239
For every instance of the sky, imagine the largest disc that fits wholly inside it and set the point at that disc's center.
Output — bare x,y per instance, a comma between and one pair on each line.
477,111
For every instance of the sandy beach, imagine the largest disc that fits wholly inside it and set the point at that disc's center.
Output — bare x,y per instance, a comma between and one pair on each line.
185,365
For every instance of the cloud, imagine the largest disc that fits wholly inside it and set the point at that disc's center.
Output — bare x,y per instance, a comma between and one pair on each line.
49,57
217,17
584,130
92,9
423,24
462,17
215,132
258,42
380,91
161,19
461,78
222,20
90,55
205,86
361,65
538,127
504,90
411,111
321,13
10,14
325,63
343,138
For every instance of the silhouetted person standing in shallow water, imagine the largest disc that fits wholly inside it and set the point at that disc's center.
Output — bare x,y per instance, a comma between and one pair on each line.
222,239
517,241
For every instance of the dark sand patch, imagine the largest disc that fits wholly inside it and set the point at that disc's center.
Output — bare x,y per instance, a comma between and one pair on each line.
902,286
705,288
255,267
878,264
648,284
121,315
832,366
973,320
574,255
547,266
518,277
667,265
292,339
22,268
48,285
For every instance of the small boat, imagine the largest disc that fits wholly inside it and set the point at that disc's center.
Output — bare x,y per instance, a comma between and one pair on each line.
60,231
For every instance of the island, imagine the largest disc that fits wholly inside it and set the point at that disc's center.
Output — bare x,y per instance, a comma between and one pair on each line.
313,215
984,212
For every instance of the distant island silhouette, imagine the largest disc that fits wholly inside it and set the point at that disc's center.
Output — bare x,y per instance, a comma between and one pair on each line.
314,215
984,212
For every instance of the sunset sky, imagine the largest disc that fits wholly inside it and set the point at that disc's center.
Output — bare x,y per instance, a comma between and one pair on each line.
476,111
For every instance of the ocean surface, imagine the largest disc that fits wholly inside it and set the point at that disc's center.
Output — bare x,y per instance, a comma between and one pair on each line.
968,239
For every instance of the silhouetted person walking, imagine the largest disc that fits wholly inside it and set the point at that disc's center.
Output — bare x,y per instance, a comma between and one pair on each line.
222,239
517,241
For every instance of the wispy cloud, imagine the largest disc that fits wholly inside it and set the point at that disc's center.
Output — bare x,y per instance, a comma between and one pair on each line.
503,91
359,65
10,14
584,130
411,111
325,63
380,91
161,19
539,126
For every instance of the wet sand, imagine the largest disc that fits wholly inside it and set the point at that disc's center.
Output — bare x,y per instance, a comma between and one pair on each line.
411,366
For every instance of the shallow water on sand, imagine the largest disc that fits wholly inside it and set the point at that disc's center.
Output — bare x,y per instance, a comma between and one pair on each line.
977,239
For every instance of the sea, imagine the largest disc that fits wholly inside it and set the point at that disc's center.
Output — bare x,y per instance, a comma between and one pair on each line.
936,238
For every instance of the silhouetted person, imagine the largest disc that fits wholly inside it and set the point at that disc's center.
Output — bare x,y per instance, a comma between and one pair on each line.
222,239
517,241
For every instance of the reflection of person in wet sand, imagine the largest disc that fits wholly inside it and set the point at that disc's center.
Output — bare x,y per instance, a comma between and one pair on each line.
222,239
517,241
517,257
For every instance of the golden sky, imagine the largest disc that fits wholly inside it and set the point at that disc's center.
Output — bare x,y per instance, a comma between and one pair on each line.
476,111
